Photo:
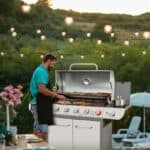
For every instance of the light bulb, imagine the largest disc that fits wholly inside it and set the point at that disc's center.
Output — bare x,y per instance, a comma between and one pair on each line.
71,40
112,34
43,37
61,57
88,34
21,55
146,34
26,8
99,42
102,56
136,33
126,42
107,28
14,34
123,54
144,52
38,31
82,57
12,29
2,53
63,33
69,20
41,56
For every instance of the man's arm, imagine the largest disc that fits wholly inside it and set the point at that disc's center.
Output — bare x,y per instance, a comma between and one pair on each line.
45,91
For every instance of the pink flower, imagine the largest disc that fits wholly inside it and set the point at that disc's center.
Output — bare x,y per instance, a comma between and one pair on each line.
9,87
17,102
20,87
5,99
11,91
2,94
11,95
10,103
17,90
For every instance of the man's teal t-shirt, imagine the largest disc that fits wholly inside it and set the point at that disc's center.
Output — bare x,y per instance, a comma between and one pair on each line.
40,76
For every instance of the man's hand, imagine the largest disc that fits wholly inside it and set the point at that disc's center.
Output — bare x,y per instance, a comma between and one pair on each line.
44,90
61,97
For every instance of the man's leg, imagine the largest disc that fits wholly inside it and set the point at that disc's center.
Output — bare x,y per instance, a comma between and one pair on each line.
40,130
43,131
35,117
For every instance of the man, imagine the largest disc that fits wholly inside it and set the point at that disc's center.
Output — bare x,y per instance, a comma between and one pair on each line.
43,97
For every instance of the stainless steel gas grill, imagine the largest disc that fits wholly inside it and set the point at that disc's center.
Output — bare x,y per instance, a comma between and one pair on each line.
83,120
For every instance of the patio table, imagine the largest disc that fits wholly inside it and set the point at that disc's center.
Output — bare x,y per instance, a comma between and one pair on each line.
30,146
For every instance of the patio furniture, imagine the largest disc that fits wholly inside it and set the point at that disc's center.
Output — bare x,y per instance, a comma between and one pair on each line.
131,132
35,145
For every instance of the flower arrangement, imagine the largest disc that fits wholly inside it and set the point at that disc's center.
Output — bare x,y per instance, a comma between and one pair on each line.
11,95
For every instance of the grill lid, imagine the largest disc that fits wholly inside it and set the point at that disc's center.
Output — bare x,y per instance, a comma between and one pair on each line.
85,82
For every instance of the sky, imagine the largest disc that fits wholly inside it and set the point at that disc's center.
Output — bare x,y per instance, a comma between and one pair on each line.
132,7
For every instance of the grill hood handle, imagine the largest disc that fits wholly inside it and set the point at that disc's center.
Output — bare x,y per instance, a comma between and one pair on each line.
83,64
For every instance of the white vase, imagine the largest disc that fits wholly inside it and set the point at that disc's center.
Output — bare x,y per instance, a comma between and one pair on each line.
7,118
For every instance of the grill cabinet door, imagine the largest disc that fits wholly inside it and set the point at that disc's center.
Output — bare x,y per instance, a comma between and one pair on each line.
86,135
60,135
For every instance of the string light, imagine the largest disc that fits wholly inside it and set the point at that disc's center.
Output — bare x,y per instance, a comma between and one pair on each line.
123,54
136,34
41,56
26,8
99,42
112,34
43,37
107,28
71,40
12,29
102,56
2,53
126,42
61,57
38,31
146,34
88,34
69,20
14,34
144,52
82,57
63,34
21,55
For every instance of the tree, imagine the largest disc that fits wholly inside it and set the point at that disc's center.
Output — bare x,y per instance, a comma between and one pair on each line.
44,3
7,7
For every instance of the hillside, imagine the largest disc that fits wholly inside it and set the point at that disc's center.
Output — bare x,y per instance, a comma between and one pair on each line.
52,21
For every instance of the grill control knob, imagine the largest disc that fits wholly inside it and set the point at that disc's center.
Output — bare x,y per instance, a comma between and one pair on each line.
86,111
56,109
111,114
66,109
98,113
76,110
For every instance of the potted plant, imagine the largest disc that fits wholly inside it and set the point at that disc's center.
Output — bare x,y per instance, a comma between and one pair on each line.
10,97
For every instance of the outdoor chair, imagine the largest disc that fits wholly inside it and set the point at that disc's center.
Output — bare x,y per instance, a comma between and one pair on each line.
131,132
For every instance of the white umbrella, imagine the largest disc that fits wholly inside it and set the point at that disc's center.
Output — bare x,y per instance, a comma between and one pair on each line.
141,99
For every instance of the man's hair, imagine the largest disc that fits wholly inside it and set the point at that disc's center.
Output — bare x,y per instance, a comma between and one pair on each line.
49,57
